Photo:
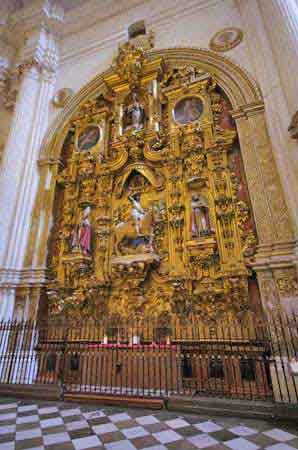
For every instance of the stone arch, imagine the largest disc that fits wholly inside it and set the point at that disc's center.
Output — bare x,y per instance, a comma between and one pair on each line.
271,214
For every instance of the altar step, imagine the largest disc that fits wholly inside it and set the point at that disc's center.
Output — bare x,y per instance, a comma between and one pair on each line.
214,406
116,400
31,391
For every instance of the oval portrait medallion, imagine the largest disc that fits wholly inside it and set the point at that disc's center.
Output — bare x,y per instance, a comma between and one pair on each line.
226,39
188,110
88,138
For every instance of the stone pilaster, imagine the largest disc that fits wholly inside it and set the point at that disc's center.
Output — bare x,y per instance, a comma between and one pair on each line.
272,217
36,70
281,22
276,107
275,262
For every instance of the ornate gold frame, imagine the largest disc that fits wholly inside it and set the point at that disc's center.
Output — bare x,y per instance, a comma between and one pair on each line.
95,147
185,96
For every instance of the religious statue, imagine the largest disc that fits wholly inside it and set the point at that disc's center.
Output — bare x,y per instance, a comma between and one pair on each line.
134,115
81,238
199,218
137,212
136,230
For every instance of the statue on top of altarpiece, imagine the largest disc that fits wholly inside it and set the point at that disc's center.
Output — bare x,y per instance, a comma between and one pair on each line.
134,115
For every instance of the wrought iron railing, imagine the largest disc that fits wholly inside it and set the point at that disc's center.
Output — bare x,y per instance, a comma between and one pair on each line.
249,361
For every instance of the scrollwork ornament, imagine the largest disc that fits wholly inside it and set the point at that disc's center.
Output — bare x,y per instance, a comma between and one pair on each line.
287,285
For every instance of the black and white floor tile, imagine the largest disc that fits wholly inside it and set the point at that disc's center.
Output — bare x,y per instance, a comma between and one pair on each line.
62,426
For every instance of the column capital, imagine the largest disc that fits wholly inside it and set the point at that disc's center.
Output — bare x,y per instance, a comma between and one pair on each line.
39,50
38,13
34,31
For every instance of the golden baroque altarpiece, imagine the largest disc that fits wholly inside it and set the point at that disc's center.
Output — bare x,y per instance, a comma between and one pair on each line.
152,216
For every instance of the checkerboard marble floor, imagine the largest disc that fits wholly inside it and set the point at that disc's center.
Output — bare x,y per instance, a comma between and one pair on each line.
63,426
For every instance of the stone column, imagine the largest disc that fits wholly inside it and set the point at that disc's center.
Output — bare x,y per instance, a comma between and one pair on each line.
281,22
19,177
6,58
261,54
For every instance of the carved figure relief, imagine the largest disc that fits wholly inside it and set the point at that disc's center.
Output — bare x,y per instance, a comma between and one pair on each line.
154,160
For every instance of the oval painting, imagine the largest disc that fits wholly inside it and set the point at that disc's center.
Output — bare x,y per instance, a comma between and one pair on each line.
188,110
88,138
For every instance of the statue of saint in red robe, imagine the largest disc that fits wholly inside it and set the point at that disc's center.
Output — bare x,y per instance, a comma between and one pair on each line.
81,239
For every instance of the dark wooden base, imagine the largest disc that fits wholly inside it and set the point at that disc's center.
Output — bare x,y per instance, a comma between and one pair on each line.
116,400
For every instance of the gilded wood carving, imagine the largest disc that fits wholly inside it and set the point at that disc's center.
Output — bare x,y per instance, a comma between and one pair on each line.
152,216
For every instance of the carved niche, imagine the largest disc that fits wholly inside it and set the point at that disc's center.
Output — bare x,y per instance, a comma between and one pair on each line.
152,214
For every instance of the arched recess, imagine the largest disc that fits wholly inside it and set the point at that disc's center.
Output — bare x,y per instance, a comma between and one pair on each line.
150,174
272,218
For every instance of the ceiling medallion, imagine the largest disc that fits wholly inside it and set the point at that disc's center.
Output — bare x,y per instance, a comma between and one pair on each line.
226,39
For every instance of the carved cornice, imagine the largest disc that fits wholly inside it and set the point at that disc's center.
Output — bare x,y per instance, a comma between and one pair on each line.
276,255
10,278
155,18
249,110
